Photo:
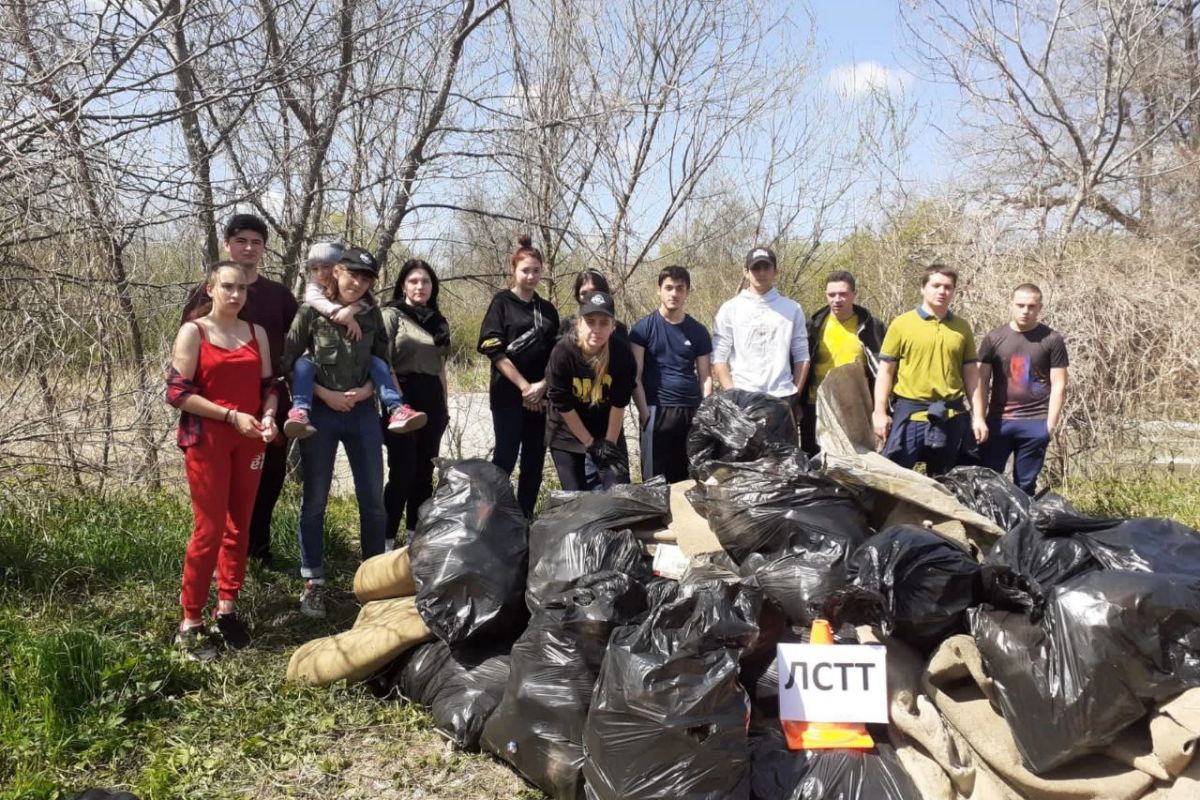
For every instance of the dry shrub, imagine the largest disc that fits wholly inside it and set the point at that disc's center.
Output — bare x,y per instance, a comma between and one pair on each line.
1127,309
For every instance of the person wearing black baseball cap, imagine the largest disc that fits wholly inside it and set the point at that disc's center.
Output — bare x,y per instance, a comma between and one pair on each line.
760,337
589,385
347,373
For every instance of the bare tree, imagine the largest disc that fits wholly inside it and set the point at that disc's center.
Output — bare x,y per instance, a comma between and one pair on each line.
1079,107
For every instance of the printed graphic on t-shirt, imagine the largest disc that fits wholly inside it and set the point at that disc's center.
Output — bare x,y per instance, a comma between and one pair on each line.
1021,363
1023,387
256,463
762,337
582,388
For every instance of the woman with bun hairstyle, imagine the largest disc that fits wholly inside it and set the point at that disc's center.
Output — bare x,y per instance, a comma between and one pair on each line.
517,334
420,343
220,379
590,382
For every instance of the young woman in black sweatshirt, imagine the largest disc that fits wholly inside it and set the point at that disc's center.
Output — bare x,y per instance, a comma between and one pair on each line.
517,334
590,384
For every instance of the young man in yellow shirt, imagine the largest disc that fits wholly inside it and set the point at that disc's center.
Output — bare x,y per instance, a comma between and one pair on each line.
840,332
927,368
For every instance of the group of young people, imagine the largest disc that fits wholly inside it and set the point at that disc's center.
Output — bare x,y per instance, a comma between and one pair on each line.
252,368
317,368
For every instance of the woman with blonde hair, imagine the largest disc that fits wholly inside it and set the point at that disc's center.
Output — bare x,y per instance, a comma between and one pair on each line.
589,384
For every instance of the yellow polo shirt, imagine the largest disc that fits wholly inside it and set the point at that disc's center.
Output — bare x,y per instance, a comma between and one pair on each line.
931,354
837,345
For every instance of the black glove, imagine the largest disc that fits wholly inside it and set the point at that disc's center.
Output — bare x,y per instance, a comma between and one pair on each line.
604,453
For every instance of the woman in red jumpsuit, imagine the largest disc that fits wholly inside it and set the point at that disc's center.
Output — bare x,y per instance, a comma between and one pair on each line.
219,379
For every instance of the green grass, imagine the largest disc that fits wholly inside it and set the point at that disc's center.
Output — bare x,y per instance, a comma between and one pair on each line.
93,694
1153,494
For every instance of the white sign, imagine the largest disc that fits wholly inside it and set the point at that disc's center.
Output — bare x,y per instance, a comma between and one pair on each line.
833,683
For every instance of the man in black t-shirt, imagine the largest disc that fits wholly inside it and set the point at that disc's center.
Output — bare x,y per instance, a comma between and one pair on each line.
271,305
673,353
1024,364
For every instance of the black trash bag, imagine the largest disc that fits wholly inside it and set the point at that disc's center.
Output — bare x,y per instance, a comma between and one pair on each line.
761,678
1054,515
856,775
750,603
668,717
759,506
1146,545
538,727
105,794
460,689
927,583
1045,560
469,556
739,425
623,506
989,494
558,557
659,590
777,773
800,579
1110,646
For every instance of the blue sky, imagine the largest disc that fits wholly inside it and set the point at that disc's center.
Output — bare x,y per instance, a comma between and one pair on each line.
864,41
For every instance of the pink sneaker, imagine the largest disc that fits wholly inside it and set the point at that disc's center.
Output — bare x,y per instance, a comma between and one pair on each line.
406,419
297,425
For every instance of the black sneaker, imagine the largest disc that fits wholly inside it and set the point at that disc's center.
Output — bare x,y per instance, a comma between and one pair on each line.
197,644
233,630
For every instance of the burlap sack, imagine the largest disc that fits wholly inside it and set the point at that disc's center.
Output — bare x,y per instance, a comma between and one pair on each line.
384,576
1163,748
940,762
384,629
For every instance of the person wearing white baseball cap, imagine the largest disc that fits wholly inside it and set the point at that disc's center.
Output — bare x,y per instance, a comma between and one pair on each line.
760,339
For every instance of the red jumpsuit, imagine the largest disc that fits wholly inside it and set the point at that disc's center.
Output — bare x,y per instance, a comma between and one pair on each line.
223,470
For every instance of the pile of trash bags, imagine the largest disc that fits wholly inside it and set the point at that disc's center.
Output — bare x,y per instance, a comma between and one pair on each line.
554,647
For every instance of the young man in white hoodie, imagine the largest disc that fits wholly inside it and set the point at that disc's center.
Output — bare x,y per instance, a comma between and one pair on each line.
760,342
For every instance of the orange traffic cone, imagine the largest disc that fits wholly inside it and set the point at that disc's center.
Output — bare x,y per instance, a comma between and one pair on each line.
825,735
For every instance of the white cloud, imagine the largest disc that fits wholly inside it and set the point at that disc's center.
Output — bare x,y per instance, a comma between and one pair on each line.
865,77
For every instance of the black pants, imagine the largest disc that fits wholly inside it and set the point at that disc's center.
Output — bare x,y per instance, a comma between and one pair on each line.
808,430
572,472
664,442
270,486
410,455
523,432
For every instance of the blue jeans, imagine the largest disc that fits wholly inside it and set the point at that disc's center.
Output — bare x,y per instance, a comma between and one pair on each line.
304,378
1026,441
360,434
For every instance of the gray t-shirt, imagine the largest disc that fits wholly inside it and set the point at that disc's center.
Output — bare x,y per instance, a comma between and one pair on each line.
1021,364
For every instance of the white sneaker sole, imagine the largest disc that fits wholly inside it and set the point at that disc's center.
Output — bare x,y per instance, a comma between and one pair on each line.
409,425
294,429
